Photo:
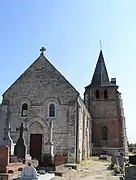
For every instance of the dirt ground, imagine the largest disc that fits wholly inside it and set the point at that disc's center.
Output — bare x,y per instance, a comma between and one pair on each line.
88,170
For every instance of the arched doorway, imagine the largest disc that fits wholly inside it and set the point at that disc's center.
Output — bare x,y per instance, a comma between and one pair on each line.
36,138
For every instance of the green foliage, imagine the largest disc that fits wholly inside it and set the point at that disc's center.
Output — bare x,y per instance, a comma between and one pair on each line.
134,151
132,145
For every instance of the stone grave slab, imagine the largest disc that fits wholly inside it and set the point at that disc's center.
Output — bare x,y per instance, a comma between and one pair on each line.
130,173
5,166
132,159
4,158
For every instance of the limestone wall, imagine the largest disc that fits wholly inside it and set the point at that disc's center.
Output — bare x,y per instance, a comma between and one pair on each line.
84,141
40,85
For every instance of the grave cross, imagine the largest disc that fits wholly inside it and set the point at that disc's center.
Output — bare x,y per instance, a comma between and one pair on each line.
8,129
20,147
7,132
42,50
21,129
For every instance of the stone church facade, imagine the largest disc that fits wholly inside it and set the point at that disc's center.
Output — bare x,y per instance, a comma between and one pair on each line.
53,110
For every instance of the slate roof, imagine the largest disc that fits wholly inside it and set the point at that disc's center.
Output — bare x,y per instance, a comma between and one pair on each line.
100,76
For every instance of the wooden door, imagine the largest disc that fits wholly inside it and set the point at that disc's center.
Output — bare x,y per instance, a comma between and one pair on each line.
36,146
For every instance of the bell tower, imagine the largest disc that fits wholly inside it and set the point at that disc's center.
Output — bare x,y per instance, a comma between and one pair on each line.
104,104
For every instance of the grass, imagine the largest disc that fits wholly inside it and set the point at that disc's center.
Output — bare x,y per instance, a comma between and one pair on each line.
94,160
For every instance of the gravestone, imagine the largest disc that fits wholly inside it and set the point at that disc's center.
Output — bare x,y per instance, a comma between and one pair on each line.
113,161
4,157
117,162
132,160
130,173
5,166
114,158
20,147
7,141
121,161
49,146
48,158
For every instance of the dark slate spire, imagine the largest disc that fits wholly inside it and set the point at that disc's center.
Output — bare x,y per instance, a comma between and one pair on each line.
100,76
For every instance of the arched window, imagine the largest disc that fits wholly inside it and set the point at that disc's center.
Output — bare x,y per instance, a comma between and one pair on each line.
97,93
105,94
52,110
104,133
24,110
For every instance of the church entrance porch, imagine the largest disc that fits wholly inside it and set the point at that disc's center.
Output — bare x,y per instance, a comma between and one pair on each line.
36,146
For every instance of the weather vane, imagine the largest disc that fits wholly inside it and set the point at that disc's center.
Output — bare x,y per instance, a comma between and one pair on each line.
100,45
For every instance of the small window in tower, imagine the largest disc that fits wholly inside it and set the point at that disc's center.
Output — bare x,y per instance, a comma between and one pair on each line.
105,94
104,133
97,94
24,110
52,110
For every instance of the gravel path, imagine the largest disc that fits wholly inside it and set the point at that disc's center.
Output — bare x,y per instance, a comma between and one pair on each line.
92,169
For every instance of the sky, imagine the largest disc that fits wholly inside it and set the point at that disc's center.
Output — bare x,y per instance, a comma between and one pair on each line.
71,31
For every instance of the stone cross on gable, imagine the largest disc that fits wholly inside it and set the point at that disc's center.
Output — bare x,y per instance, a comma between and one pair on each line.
42,50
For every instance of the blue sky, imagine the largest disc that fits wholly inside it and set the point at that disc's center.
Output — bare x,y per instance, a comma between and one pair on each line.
71,31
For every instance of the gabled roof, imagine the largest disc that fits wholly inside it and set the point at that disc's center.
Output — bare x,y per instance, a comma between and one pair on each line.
100,76
43,69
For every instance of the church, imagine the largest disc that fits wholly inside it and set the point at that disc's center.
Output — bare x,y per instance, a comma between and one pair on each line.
53,112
